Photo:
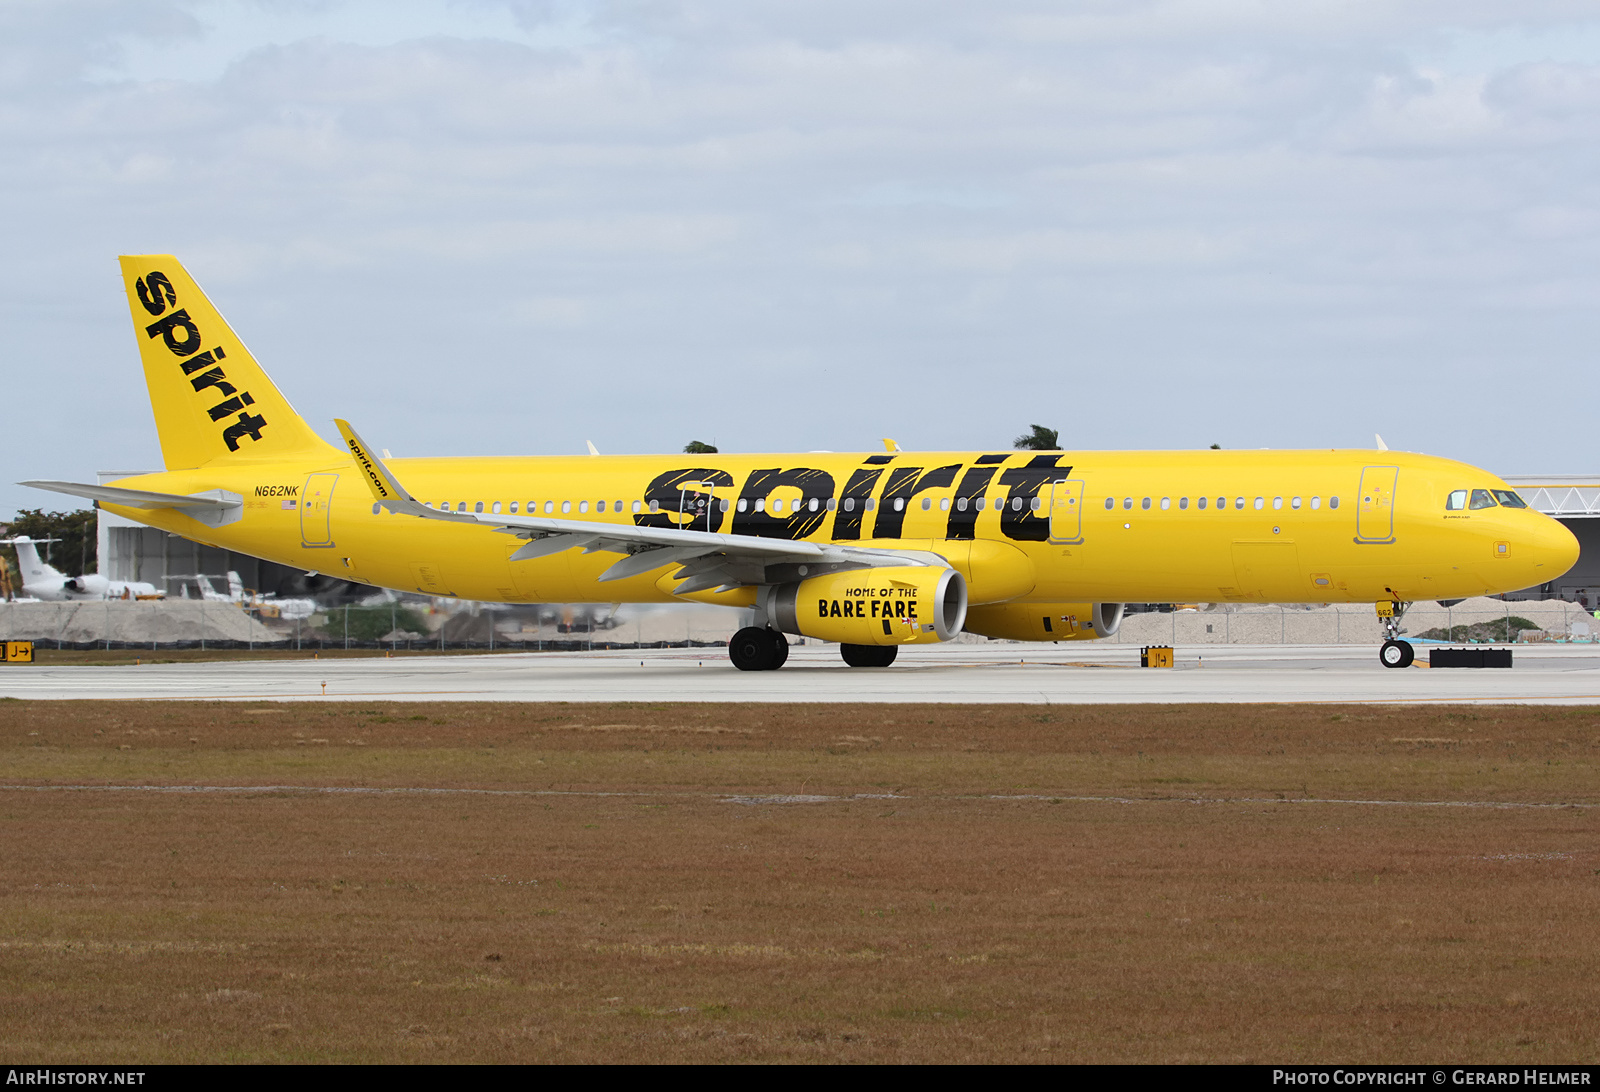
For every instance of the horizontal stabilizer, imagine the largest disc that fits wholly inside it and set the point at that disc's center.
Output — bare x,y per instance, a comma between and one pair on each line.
142,498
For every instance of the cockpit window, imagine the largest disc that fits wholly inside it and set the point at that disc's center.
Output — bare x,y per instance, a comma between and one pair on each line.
1481,498
1509,499
1456,501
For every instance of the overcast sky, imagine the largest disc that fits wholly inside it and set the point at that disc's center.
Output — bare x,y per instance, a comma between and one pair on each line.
491,227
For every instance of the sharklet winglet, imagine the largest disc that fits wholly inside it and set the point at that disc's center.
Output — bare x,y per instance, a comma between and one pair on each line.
386,488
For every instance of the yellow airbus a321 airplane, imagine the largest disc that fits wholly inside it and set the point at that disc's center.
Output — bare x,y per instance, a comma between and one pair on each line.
872,551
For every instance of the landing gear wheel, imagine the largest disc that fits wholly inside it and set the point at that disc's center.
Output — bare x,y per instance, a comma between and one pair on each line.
752,650
869,655
1397,654
780,649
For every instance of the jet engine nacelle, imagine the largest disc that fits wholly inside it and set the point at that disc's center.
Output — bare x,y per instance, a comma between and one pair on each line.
888,606
1046,621
88,584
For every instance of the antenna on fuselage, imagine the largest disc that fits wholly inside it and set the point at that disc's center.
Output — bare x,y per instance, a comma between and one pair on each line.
1381,445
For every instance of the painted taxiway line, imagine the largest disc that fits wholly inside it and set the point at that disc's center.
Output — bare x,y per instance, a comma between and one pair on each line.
754,800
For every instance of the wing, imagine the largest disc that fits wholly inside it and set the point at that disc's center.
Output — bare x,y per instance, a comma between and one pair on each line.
706,559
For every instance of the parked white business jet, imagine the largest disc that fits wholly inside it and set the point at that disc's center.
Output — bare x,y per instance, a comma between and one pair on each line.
42,581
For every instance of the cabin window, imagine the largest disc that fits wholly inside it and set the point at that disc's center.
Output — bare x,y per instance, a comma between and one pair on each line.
566,506
1481,498
1333,502
375,507
1016,504
1509,499
513,508
899,504
495,508
1456,501
550,506
832,504
814,505
961,504
533,506
849,504
744,504
478,507
1201,502
1110,504
637,505
774,505
1166,503
1222,502
583,506
655,506
1238,504
927,503
1316,502
1183,503
1295,503
1277,502
1261,502
600,506
1145,504
872,504
1127,502
1036,503
722,505
944,504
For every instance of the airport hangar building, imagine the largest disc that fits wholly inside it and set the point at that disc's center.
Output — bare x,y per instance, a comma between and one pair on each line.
131,551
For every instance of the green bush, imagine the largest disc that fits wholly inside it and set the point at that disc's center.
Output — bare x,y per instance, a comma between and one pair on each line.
372,623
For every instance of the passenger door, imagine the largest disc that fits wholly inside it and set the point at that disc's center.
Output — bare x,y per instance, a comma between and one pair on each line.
1066,511
316,510
1375,504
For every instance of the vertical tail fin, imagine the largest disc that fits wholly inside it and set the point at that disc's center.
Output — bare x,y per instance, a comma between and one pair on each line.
29,563
210,397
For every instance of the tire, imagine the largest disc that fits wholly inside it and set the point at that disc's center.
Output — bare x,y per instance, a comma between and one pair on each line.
780,649
869,655
1396,654
752,650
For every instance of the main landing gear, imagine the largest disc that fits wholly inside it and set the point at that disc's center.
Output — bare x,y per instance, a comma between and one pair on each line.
868,655
1395,652
757,649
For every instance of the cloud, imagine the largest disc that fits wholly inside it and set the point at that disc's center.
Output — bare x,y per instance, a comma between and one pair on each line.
1170,222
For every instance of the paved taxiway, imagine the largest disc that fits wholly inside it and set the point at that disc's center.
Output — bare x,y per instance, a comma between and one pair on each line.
961,673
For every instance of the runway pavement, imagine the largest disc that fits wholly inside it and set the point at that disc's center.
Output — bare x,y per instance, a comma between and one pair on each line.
1551,674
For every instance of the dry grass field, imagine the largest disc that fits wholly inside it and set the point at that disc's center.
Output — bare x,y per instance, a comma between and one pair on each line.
796,882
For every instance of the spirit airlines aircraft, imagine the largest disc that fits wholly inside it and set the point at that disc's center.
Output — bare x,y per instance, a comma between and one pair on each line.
872,551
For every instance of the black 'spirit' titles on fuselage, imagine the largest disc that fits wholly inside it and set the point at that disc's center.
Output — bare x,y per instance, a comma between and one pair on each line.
812,483
1022,524
692,509
692,498
156,295
905,482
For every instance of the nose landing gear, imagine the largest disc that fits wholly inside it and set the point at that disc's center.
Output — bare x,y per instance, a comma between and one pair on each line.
1394,652
1397,654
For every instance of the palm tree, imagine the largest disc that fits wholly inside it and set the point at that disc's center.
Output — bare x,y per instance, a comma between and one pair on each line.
695,447
1040,439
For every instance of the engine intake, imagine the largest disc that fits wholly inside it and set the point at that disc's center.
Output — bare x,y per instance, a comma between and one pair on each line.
889,606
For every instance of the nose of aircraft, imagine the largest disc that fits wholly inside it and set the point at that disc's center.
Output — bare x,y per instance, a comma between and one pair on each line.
1552,549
